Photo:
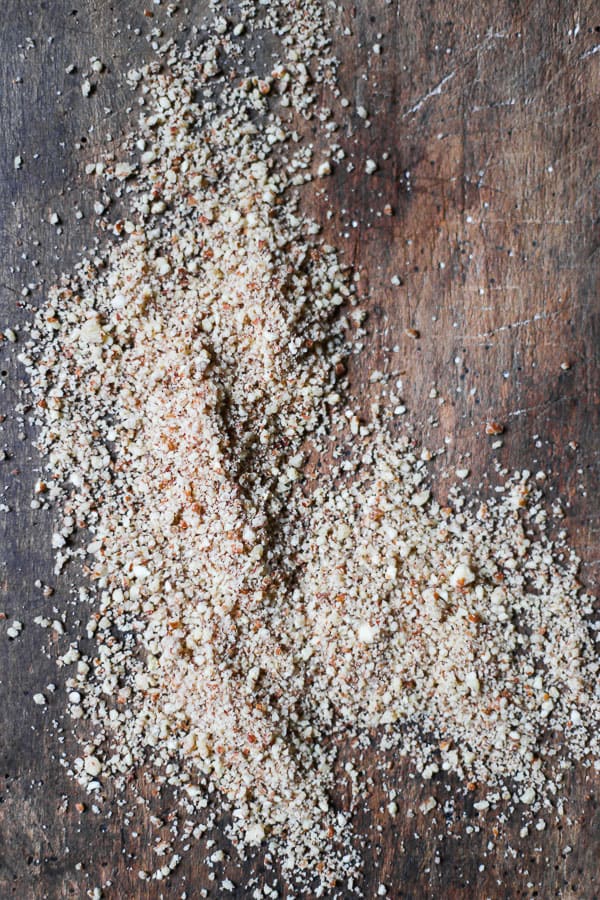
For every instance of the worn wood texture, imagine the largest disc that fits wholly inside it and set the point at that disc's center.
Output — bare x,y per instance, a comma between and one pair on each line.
489,114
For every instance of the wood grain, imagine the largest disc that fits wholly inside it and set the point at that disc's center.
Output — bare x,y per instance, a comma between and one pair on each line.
489,115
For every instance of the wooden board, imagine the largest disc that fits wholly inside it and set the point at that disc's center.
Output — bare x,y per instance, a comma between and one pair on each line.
489,115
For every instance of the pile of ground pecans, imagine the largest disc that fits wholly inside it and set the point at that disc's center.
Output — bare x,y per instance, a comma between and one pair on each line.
251,612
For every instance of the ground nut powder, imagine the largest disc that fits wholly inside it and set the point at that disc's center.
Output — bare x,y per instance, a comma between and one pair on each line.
251,612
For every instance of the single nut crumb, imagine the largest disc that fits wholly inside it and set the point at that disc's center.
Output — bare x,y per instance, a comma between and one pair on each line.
428,805
528,796
14,630
462,576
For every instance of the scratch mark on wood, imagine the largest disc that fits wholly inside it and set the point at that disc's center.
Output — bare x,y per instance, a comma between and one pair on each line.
434,92
543,405
509,326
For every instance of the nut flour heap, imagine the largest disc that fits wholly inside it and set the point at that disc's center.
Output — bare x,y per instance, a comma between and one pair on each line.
248,613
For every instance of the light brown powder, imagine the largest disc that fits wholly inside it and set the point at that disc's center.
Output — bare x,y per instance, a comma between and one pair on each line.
247,617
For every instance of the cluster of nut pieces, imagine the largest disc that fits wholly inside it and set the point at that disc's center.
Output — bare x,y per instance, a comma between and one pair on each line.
244,616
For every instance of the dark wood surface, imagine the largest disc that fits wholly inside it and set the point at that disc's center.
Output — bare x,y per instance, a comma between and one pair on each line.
489,113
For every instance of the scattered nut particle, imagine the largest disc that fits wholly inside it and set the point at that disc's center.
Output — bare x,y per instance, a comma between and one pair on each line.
413,333
163,266
18,162
124,170
39,699
370,166
14,630
473,683
428,805
420,498
366,633
462,576
255,834
86,87
494,428
92,765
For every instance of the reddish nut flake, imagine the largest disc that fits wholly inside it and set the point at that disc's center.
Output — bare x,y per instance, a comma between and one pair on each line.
493,428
